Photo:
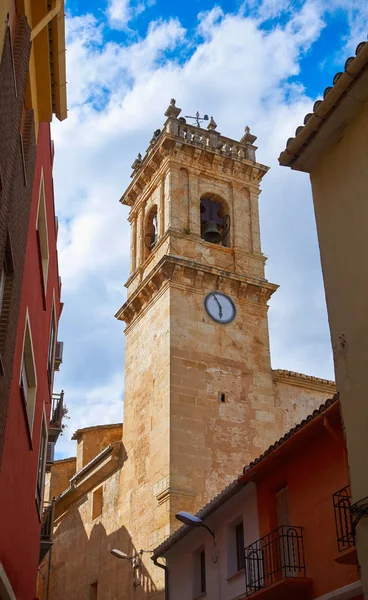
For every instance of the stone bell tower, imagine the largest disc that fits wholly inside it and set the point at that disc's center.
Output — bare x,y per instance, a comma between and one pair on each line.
199,398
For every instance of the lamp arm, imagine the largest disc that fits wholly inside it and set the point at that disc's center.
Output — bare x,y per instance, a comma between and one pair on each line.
212,531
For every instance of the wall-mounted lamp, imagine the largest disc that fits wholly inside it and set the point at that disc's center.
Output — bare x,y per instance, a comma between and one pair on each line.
135,561
193,521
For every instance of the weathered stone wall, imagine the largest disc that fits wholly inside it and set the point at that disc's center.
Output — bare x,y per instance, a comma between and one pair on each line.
57,480
92,440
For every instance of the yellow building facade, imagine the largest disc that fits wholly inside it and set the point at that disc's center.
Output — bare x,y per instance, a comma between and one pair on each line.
332,147
201,399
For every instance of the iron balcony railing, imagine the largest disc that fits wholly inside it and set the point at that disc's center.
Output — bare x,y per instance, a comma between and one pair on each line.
57,409
47,525
278,555
343,521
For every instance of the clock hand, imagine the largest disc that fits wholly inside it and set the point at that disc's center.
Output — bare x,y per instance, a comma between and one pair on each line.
219,305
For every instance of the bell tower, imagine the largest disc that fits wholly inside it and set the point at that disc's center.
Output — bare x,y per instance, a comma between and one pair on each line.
199,397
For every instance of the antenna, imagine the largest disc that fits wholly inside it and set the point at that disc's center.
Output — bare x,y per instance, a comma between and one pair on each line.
197,118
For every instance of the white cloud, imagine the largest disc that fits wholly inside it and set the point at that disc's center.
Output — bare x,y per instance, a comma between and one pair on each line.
236,71
121,12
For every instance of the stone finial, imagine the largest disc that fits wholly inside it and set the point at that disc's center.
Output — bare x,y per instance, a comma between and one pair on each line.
137,163
172,110
248,138
212,124
155,136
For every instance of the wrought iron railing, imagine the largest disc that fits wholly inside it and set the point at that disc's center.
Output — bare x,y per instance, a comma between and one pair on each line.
278,555
343,521
57,409
47,524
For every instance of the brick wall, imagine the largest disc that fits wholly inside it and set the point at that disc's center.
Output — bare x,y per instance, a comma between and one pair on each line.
17,162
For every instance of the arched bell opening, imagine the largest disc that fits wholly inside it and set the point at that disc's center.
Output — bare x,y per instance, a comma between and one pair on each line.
150,231
215,220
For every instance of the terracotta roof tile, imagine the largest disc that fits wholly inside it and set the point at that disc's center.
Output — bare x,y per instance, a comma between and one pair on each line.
322,108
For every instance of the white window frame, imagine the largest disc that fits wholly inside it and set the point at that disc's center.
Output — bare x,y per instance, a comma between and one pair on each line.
28,375
41,464
52,346
41,226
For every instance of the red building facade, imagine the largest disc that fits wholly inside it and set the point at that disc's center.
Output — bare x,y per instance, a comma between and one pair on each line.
32,72
24,454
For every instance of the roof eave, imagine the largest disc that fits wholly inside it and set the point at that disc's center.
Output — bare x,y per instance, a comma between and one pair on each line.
330,115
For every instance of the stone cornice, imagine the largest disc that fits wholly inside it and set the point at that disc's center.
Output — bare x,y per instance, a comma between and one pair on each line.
185,272
306,381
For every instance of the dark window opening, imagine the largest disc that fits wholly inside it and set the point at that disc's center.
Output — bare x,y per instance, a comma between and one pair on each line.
151,231
222,397
215,224
202,557
239,537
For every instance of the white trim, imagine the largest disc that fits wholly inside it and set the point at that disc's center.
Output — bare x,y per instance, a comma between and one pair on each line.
344,593
5,586
31,387
43,232
39,501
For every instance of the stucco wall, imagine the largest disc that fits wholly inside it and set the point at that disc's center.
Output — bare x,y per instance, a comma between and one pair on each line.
222,582
340,191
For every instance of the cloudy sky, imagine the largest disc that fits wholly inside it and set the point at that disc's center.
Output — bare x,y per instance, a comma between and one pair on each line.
261,64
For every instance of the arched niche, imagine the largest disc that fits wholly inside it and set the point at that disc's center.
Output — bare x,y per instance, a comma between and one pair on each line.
150,231
215,220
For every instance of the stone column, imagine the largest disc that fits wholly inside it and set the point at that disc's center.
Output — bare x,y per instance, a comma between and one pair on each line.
254,219
133,244
140,236
161,215
194,205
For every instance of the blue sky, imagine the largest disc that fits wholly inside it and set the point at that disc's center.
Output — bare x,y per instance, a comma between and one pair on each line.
261,64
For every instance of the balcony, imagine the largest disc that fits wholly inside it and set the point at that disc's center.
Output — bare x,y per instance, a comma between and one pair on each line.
47,525
57,413
344,527
275,566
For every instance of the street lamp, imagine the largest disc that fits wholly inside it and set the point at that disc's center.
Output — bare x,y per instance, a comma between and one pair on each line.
135,561
193,521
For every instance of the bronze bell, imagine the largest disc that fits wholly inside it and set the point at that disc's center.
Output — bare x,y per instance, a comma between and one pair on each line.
211,233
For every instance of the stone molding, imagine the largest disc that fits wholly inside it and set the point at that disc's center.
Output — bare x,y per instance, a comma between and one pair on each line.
188,273
306,381
168,492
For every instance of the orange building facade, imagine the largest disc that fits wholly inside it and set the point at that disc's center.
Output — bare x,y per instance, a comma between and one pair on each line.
291,511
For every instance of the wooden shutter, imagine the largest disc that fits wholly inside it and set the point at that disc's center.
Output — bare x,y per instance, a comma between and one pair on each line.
283,507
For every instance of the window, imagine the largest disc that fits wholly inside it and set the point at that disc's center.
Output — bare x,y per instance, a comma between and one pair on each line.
239,538
215,221
93,589
42,236
97,501
199,580
150,231
235,547
41,464
51,353
28,381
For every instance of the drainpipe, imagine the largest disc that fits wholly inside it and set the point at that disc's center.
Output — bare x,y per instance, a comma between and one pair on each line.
46,19
166,569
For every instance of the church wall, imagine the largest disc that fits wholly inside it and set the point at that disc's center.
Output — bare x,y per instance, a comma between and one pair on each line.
212,440
91,441
81,551
57,480
294,403
146,423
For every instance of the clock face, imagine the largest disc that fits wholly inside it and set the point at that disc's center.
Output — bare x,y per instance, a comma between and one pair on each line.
220,307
